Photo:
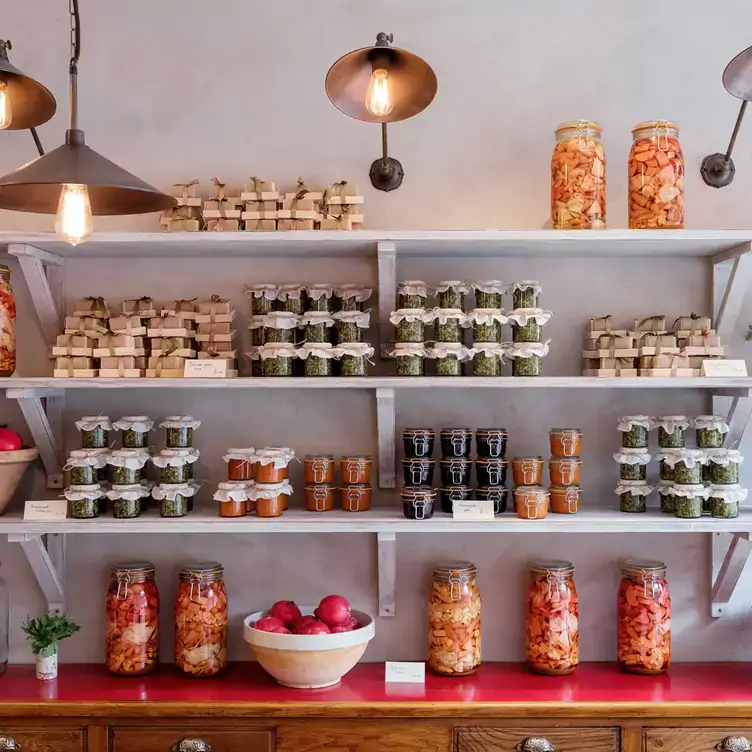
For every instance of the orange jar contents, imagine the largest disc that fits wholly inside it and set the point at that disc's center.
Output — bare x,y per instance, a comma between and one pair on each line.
656,177
644,618
565,499
270,498
355,498
531,502
356,470
564,471
132,642
454,610
239,464
270,465
552,630
319,468
565,442
319,498
232,498
201,620
233,508
527,471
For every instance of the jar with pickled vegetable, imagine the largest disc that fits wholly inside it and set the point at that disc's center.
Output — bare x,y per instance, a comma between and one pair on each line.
552,629
454,620
488,358
176,465
180,430
201,620
132,643
135,430
632,495
689,500
488,293
644,618
95,431
710,431
578,177
656,177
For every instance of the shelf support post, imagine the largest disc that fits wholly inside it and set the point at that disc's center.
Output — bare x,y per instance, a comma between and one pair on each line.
46,426
387,269
47,562
728,559
386,427
387,543
727,307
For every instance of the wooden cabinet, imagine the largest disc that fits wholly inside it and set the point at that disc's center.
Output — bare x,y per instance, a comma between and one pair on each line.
40,738
537,739
203,738
690,739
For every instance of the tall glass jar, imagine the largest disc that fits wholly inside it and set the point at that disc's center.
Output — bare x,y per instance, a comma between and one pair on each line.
454,647
578,177
656,177
552,628
4,625
644,618
7,325
201,620
132,619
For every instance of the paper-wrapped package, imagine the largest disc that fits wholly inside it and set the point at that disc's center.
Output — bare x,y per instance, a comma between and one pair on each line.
74,367
73,344
120,345
261,225
126,367
143,307
95,307
260,190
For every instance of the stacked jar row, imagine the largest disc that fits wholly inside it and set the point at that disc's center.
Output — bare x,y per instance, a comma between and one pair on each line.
201,620
320,489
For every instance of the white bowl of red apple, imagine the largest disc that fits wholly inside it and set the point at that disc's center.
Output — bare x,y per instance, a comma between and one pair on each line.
309,648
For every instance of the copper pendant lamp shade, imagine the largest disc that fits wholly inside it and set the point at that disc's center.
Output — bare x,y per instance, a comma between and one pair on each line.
31,103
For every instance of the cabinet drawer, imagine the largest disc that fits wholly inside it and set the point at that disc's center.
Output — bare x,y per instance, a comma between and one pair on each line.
698,739
164,739
42,740
532,739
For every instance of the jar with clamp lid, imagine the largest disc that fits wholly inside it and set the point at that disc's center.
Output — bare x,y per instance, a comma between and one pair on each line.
454,613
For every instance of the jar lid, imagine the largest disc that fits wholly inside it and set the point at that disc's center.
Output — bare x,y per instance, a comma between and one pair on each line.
655,124
325,486
450,460
358,458
451,569
315,457
643,566
566,489
358,487
413,493
180,421
492,489
455,488
578,125
575,460
565,430
419,432
527,459
491,461
554,566
419,460
132,568
443,431
540,491
491,432
201,570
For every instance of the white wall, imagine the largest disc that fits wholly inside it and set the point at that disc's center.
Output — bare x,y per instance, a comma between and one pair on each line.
173,91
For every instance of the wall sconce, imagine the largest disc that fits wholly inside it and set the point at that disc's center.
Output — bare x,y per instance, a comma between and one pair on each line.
718,169
381,84
24,102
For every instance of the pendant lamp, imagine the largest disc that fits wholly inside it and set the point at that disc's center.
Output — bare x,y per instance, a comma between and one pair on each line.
75,182
381,84
24,102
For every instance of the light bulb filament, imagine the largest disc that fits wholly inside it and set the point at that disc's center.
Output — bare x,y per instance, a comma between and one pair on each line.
74,222
6,116
379,97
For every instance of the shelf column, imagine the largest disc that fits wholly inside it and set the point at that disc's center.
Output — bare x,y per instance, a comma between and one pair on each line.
386,427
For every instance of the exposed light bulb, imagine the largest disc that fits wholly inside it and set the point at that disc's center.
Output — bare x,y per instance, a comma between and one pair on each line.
6,115
74,222
379,98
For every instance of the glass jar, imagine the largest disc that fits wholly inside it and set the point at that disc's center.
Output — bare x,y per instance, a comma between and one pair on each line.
350,325
488,359
317,327
409,361
356,469
578,177
201,620
710,431
132,643
528,365
449,358
291,299
552,630
491,472
320,297
452,294
262,298
318,468
564,471
449,494
671,431
418,472
454,614
456,442
565,499
455,471
135,430
409,324
486,324
527,471
497,494
644,618
355,498
412,294
4,626
239,463
531,502
232,498
354,358
418,442
724,466
633,496
94,431
634,431
7,326
320,497
85,502
418,502
449,324
180,431
491,443
488,293
565,442
656,177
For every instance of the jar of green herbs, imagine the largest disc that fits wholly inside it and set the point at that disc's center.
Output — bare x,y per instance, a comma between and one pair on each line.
452,294
135,430
710,431
449,324
525,294
317,359
352,297
317,327
262,298
409,324
95,431
486,323
354,358
488,293
320,297
633,496
412,294
350,325
179,430
488,359
409,359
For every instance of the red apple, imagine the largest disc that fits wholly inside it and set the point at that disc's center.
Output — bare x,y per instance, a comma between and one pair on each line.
334,611
313,628
9,440
286,611
268,624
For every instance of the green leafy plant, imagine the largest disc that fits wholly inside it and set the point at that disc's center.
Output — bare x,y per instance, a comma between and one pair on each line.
45,632
749,333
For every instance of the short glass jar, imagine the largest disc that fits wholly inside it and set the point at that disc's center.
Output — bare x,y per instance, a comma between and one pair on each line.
95,431
564,471
356,469
291,299
449,494
491,442
271,499
232,498
278,360
488,359
135,430
449,358
710,431
239,463
689,500
688,466
486,323
531,502
356,498
319,497
318,359
491,472
320,297
409,359
84,502
176,465
318,469
552,628
352,297
633,464
525,294
565,499
418,442
668,498
724,466
488,293
527,471
454,620
452,294
354,358
350,325
455,471
565,442
456,442
281,328
671,431
634,430
317,327
633,496
412,294
272,464
497,494
180,430
262,298
126,467
409,324
418,502
418,472
127,500
449,324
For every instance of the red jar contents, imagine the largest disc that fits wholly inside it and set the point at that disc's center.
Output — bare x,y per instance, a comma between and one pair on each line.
531,502
239,464
565,499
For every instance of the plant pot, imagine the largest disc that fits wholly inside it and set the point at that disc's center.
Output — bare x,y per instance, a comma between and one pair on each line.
47,664
13,465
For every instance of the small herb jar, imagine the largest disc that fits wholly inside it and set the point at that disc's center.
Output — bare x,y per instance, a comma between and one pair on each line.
281,327
87,466
491,472
449,494
491,443
486,323
353,358
278,360
634,431
320,298
126,500
668,498
412,294
688,467
671,431
317,359
291,299
527,357
449,358
262,298
317,327
94,431
135,430
456,442
498,495
350,325
689,500
668,460
452,294
125,466
455,471
525,294
173,498
488,293
176,465
418,442
258,332
84,501
418,472
633,464
449,324
527,332
409,359
724,466
418,502
710,431
530,366
409,324
83,475
723,508
351,297
179,430
633,495
488,359
257,365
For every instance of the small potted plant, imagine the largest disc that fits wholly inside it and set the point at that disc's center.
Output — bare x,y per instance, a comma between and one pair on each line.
44,634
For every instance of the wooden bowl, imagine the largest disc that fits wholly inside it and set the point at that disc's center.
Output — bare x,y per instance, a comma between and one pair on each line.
13,465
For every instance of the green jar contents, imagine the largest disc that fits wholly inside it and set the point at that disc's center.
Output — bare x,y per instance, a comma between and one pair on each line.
258,333
317,359
82,509
409,324
530,366
449,357
320,298
668,500
634,431
710,431
667,462
688,467
526,357
135,430
486,324
352,297
257,365
278,360
317,327
529,332
452,294
633,497
671,431
84,475
179,430
174,500
175,507
409,359
350,325
124,476
722,508
353,359
126,508
176,465
633,472
412,294
84,501
94,431
262,298
488,360
488,293
448,324
281,327
291,299
525,294
724,466
689,502
633,464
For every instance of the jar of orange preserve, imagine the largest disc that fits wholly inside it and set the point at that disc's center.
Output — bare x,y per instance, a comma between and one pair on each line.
232,498
319,497
270,464
565,499
240,463
565,442
564,471
270,498
527,471
356,469
531,502
319,468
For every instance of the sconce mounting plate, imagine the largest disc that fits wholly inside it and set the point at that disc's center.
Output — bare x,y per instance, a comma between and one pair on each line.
386,174
717,171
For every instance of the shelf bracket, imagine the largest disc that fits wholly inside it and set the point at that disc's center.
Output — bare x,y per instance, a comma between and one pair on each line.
387,269
729,554
387,543
735,283
47,561
386,426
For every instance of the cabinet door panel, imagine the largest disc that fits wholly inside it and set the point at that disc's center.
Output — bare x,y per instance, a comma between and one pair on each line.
161,739
685,739
42,740
532,739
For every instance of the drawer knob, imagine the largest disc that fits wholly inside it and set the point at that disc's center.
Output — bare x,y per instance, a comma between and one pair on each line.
734,744
191,745
539,744
8,743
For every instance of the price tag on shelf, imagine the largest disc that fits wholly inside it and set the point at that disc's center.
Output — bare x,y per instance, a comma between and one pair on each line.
473,510
721,368
55,509
212,368
405,673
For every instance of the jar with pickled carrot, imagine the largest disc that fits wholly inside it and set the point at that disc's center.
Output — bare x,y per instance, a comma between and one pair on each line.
578,177
644,618
552,630
318,468
201,620
527,471
656,177
565,499
132,608
564,471
454,611
565,442
531,502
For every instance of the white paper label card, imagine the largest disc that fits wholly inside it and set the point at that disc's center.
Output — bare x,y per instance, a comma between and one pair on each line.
55,509
473,510
405,673
720,368
212,368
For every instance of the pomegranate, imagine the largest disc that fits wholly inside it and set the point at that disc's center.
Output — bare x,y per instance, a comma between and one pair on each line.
349,627
313,628
9,440
298,623
268,624
334,611
286,611
279,630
